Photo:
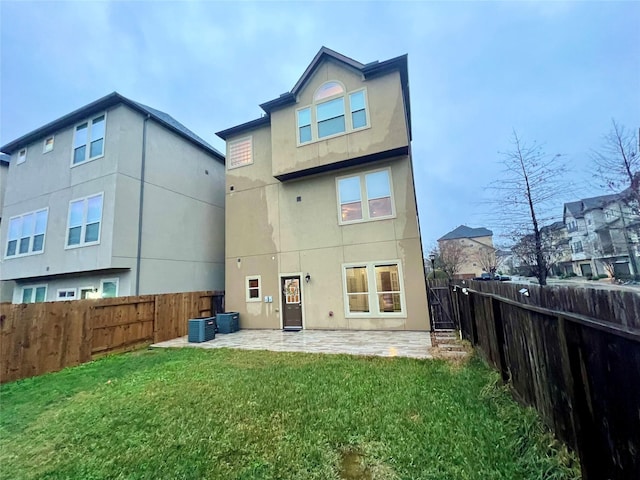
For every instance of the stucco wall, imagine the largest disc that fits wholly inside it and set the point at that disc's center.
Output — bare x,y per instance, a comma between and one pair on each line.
388,129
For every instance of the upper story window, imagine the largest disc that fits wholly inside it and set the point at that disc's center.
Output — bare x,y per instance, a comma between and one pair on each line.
374,187
47,145
240,152
85,217
334,112
26,233
572,226
577,247
88,140
22,156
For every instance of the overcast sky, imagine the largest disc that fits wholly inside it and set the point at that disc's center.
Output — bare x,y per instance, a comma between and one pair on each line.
556,72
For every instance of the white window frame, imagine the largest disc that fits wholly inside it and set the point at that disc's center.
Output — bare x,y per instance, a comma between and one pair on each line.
34,287
348,114
31,237
84,222
22,156
364,199
88,157
115,280
89,289
374,308
247,288
66,291
237,141
44,144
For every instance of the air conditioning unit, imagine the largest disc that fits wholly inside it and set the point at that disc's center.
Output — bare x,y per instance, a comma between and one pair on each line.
228,322
202,329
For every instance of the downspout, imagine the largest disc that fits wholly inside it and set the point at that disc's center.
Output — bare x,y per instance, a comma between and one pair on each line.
141,203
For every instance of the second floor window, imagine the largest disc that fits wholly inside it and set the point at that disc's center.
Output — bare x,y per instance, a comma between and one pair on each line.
374,187
88,140
26,233
240,152
577,247
85,217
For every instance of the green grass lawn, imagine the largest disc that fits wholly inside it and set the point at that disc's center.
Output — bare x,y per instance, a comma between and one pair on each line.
194,413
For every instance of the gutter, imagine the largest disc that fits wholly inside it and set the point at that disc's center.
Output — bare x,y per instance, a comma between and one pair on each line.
141,203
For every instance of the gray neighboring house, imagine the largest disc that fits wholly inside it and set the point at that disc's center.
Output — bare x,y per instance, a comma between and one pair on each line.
603,230
6,288
113,199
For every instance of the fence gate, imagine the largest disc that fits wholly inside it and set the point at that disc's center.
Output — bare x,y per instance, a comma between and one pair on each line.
442,312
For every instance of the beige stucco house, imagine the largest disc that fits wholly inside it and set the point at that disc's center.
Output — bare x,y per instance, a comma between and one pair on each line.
471,248
322,226
113,199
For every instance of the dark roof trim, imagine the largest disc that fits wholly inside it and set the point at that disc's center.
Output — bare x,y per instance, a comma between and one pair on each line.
282,101
350,162
230,132
324,52
82,273
103,103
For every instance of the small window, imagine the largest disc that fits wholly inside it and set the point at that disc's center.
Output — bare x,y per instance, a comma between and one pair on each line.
85,217
109,288
48,144
26,234
66,294
87,292
375,187
304,125
240,152
34,294
253,288
88,141
358,110
22,156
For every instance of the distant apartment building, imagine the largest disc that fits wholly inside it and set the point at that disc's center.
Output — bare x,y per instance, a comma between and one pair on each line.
473,247
322,225
113,199
604,235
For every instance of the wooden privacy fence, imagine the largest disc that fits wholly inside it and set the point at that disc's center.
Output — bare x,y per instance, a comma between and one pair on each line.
37,338
572,353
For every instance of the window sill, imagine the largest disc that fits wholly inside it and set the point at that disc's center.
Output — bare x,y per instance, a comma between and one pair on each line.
89,244
370,316
329,137
22,255
367,220
84,162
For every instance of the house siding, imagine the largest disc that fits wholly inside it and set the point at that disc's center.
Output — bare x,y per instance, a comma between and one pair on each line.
276,228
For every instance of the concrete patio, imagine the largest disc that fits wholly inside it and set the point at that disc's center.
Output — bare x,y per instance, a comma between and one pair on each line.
375,343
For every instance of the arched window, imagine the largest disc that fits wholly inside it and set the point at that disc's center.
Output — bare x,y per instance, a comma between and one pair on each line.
327,90
328,117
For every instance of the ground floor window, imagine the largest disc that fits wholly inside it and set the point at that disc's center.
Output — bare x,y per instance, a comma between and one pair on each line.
34,293
109,287
66,294
373,289
252,288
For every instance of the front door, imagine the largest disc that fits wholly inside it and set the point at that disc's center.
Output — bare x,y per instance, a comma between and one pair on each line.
291,303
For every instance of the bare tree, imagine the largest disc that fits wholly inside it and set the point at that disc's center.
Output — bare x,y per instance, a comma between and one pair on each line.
488,258
617,161
450,257
524,198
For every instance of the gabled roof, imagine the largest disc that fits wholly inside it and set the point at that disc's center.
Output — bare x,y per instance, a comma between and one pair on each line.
370,70
579,208
467,232
101,104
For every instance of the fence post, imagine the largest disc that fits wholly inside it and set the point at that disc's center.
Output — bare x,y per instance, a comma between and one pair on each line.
155,319
472,321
